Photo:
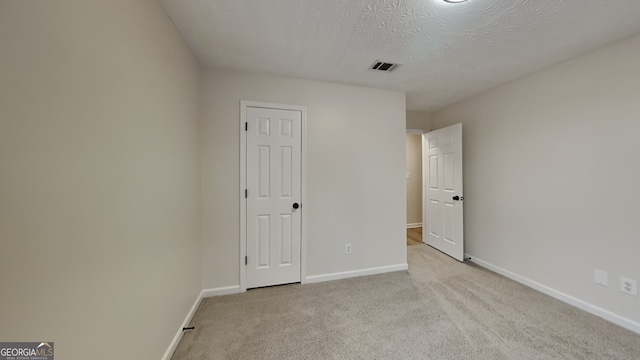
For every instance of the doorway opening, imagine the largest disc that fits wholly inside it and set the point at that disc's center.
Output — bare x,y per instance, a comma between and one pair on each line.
440,189
414,186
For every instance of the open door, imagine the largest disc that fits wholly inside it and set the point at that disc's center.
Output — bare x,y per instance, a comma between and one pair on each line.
442,183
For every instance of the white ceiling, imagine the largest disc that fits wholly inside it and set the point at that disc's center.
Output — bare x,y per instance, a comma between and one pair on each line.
449,51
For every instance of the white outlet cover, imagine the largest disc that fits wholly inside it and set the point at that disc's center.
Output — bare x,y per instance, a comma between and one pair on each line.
600,277
628,286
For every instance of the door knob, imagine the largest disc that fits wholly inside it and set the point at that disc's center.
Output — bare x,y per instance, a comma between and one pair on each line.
296,205
456,198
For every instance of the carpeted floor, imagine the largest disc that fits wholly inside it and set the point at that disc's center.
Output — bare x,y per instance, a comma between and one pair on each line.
439,309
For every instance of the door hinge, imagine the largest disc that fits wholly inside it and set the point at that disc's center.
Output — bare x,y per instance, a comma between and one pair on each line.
246,260
246,126
246,193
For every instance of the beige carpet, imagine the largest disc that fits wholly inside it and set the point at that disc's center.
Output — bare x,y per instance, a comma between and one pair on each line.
439,309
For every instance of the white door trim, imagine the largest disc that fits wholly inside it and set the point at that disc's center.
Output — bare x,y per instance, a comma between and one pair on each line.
244,104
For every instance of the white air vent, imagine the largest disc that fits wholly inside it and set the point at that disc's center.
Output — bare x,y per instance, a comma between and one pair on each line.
380,65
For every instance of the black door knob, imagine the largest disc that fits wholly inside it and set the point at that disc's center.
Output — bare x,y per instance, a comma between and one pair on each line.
456,198
296,205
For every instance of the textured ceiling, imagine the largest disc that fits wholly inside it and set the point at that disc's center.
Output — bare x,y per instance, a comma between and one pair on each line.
449,51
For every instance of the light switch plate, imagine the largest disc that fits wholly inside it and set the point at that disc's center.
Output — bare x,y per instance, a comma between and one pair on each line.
600,277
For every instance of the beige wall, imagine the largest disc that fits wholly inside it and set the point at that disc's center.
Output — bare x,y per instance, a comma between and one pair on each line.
414,182
99,177
355,168
551,175
419,120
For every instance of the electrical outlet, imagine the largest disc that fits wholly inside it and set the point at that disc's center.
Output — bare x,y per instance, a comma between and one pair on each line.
347,249
628,286
600,277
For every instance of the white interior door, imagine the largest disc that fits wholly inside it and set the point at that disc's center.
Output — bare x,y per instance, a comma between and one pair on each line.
273,196
443,200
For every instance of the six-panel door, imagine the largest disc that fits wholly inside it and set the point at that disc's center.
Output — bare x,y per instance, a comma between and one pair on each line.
273,184
443,206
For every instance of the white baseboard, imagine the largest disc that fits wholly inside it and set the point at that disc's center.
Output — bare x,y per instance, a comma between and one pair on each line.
203,294
355,273
414,225
176,339
580,304
225,290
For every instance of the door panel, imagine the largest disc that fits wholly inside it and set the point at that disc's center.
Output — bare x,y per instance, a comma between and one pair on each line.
434,215
264,241
443,216
433,172
273,185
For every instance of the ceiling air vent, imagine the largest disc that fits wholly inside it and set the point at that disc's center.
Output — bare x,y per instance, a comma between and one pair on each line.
383,66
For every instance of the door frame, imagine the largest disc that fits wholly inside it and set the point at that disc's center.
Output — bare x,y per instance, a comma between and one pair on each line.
244,104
